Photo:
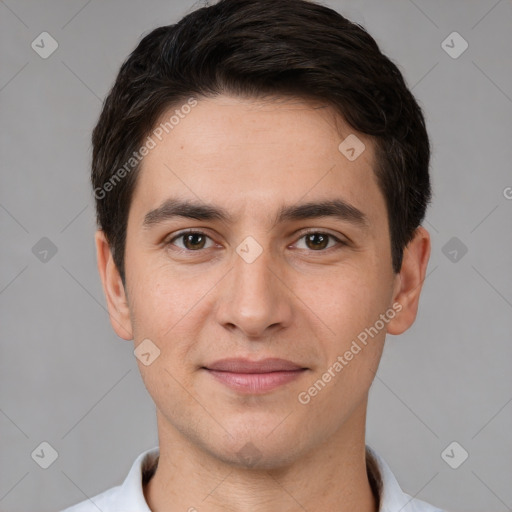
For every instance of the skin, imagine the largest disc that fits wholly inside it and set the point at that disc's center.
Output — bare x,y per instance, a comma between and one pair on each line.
200,301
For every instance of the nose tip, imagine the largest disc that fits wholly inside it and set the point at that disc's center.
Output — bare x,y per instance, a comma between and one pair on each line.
252,330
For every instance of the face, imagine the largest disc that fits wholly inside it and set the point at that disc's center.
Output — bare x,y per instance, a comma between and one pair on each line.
258,300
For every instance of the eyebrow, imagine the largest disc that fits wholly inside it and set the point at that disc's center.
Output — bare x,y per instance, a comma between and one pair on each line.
336,208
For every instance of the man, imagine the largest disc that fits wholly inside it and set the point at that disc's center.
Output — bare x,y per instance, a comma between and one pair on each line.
260,172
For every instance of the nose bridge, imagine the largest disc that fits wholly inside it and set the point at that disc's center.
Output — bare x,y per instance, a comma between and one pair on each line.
256,300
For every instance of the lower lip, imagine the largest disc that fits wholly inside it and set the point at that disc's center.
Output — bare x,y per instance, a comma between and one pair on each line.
255,382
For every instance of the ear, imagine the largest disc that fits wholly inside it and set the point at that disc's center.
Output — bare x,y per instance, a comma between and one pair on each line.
410,281
113,288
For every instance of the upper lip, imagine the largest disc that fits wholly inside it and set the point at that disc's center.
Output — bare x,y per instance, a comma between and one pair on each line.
239,365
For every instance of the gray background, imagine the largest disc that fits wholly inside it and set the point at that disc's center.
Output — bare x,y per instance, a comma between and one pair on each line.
68,380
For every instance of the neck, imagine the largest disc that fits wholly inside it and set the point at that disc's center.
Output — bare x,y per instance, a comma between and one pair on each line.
332,477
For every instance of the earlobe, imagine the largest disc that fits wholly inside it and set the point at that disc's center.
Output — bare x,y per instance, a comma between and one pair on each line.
409,281
113,288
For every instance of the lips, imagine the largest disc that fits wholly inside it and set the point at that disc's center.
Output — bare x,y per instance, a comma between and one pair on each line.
254,377
247,366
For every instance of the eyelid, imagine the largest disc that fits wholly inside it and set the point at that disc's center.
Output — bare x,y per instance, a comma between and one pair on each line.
321,231
186,231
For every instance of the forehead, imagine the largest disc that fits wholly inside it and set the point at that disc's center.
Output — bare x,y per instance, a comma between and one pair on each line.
251,153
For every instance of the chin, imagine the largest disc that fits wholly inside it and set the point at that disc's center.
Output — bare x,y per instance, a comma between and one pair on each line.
258,450
255,457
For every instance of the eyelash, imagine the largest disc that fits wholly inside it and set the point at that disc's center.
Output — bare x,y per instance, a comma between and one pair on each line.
312,232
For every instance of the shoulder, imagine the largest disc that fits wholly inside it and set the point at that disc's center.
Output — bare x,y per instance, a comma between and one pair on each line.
105,501
391,496
415,505
128,497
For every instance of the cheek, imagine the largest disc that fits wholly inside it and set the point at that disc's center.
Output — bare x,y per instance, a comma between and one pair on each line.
350,310
171,311
161,297
346,300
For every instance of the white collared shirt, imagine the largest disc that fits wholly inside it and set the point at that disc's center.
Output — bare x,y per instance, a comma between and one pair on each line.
129,496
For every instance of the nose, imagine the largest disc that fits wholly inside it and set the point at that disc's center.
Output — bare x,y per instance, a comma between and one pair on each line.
255,299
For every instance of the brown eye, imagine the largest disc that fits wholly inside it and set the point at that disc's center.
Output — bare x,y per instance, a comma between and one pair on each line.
190,241
194,241
317,241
